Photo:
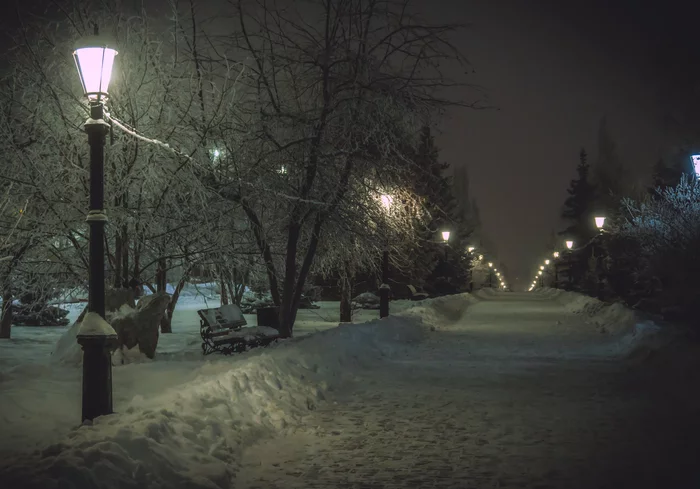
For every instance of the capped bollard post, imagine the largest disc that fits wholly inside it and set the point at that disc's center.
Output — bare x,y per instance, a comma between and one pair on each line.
384,292
98,340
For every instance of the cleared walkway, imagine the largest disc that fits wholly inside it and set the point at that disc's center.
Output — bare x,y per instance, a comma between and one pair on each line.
516,393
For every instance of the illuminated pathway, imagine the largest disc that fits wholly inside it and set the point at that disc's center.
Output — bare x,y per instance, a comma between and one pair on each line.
515,394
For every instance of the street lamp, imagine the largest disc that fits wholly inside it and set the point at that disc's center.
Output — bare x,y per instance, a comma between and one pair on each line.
546,262
445,236
470,249
569,245
696,165
94,60
599,222
555,254
384,289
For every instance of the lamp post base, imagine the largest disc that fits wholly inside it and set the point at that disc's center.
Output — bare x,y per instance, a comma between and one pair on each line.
98,339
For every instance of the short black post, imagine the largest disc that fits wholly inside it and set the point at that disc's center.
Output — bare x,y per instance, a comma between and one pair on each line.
556,275
384,288
95,336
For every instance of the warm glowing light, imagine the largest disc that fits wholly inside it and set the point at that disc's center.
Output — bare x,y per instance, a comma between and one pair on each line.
470,249
481,257
94,60
445,236
696,164
387,200
555,254
539,273
490,265
569,244
541,267
599,222
546,262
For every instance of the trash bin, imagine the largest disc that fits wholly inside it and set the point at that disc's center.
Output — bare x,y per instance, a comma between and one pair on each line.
268,316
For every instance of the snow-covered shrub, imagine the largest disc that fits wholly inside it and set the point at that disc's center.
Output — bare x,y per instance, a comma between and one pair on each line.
658,246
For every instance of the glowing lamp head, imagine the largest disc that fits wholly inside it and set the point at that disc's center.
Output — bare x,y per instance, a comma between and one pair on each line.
555,254
387,200
569,245
546,262
696,164
470,249
481,257
94,59
445,236
539,273
490,265
599,222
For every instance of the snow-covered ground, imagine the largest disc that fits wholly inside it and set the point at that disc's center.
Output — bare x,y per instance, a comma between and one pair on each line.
539,390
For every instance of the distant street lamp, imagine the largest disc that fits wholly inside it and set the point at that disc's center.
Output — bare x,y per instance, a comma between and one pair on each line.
94,60
600,222
569,245
696,165
555,254
446,239
470,249
546,262
541,267
384,288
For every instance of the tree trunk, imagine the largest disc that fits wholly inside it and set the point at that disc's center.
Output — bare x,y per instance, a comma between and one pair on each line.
224,294
117,283
166,321
6,316
345,295
125,257
161,276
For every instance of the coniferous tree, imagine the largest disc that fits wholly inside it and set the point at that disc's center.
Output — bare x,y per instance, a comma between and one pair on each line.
444,213
578,205
608,174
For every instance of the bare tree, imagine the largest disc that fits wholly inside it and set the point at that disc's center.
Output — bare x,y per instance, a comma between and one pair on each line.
336,93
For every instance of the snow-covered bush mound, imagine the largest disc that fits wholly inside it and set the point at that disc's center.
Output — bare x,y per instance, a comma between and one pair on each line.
485,293
189,436
442,311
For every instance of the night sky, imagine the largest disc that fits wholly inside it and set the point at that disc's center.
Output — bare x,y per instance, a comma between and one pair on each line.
554,68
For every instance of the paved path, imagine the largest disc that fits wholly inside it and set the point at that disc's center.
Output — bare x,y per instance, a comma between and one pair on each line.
511,396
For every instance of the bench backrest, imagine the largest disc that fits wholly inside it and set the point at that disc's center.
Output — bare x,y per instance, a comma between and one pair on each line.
412,289
225,317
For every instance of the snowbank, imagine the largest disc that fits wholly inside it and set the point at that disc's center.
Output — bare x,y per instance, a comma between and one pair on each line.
189,435
632,335
612,318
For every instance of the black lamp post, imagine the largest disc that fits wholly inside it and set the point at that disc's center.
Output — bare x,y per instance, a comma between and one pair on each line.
600,224
94,60
569,248
385,288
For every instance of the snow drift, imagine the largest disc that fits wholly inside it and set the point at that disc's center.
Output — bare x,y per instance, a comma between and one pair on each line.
632,335
190,435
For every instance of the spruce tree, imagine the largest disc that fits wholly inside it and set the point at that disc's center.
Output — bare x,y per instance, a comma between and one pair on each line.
577,207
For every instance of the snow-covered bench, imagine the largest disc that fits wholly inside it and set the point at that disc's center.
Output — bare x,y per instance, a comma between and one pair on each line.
222,331
415,295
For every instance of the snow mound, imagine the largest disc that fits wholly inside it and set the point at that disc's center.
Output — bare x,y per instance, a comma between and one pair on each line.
615,318
442,311
189,436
